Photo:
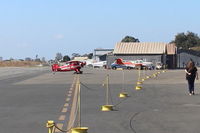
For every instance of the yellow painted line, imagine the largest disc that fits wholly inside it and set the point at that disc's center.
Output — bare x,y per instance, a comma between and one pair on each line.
62,118
66,104
73,107
59,125
64,110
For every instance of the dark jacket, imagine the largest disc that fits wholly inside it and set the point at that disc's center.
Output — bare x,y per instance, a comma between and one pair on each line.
193,73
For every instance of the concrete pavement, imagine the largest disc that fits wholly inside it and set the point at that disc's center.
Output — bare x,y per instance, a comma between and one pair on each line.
162,105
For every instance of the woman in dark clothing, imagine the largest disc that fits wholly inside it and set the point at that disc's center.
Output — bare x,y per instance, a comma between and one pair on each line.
191,74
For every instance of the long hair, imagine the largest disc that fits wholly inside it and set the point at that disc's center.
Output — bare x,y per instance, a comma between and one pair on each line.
190,65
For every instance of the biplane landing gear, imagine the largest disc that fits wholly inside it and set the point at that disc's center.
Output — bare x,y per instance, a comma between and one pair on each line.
77,71
81,72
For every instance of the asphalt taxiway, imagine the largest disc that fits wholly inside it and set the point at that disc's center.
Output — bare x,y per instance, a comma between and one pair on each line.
29,100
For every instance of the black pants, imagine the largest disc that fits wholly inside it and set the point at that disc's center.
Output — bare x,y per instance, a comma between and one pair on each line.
191,85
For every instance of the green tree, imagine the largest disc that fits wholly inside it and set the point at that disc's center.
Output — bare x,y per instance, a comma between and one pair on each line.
186,40
130,39
43,59
90,55
1,58
75,55
66,58
58,57
28,59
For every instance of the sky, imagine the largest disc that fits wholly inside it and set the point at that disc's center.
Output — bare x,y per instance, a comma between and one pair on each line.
46,27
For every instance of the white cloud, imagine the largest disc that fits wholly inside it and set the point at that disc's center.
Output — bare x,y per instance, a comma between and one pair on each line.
58,36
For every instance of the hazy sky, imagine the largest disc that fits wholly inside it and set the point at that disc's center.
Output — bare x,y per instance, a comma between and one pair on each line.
45,27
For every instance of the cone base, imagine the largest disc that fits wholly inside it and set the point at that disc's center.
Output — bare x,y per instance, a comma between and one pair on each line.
123,95
138,87
155,75
107,108
139,83
79,130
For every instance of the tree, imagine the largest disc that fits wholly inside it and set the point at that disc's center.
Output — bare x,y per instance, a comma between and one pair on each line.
130,39
38,60
43,59
66,58
75,55
36,56
28,59
186,41
90,55
58,57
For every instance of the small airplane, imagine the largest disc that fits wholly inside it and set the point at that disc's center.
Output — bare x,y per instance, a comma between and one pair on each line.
68,66
144,64
96,64
127,64
99,64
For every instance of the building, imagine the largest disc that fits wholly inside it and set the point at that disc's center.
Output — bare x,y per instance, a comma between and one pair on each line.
151,52
183,56
80,58
101,54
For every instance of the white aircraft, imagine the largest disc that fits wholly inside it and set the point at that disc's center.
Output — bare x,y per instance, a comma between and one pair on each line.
99,64
96,64
145,64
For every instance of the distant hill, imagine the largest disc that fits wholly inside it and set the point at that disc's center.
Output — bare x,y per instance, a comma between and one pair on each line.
19,63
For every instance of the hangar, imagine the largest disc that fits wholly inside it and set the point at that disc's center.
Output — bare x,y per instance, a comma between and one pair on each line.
101,54
147,51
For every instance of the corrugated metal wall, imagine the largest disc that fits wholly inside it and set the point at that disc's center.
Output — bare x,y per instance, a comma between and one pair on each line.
183,58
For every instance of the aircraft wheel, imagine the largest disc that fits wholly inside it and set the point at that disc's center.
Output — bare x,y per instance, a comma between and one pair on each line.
114,68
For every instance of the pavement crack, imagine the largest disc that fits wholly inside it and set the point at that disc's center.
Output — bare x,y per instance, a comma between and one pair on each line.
131,121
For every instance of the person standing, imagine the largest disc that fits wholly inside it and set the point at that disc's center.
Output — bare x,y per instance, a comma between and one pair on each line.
191,74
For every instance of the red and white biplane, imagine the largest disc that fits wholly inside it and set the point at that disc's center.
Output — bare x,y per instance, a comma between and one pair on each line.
68,66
